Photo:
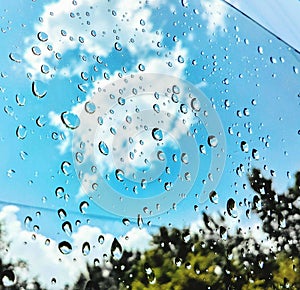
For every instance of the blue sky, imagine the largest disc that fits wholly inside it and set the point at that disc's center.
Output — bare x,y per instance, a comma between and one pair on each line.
248,76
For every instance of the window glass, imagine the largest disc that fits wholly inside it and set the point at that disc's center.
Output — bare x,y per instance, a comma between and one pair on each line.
150,144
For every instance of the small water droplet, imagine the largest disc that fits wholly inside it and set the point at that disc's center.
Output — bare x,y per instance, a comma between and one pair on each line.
260,50
101,239
118,46
126,221
255,154
86,248
184,158
202,149
59,192
141,67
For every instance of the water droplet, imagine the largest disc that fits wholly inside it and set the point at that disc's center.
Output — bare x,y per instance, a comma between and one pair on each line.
70,120
168,186
101,239
195,104
86,248
141,67
157,134
150,274
184,3
223,233
183,108
180,59
59,192
244,147
176,90
21,132
15,57
121,101
231,208
103,148
255,154
27,222
42,36
295,70
118,46
9,110
40,121
116,250
67,228
90,107
213,197
260,50
119,173
156,108
126,221
45,69
62,213
20,99
8,278
225,81
212,141
83,206
39,89
184,158
202,149
161,155
64,167
65,247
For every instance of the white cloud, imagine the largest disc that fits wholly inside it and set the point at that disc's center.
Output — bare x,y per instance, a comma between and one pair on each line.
93,27
46,262
214,13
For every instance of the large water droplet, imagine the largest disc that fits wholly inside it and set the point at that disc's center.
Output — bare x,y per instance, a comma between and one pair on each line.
65,247
116,250
62,213
65,167
231,208
21,132
244,146
103,148
195,104
212,141
39,89
157,134
83,206
213,197
15,57
70,120
67,228
8,278
42,36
